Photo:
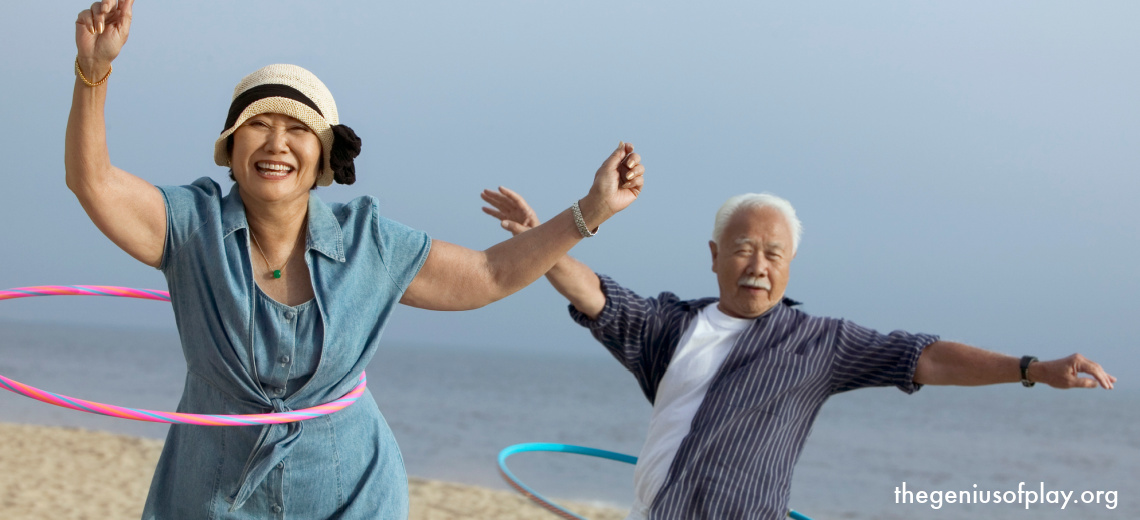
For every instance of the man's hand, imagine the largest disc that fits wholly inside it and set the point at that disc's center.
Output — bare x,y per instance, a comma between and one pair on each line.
511,209
571,278
100,33
1065,373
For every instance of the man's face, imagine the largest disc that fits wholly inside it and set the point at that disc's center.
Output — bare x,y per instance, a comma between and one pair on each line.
751,260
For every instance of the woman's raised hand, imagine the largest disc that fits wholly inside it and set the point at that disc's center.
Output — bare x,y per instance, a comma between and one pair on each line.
100,33
617,184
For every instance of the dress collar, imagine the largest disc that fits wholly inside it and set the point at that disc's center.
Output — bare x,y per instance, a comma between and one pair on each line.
325,234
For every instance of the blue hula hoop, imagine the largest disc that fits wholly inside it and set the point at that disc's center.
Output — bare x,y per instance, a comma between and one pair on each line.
567,448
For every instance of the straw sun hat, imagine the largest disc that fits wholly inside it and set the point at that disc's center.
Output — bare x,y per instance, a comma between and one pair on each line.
293,91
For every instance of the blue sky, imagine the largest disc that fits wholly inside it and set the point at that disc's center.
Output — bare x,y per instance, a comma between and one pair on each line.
961,168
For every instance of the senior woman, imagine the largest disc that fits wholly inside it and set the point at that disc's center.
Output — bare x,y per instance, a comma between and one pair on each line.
280,298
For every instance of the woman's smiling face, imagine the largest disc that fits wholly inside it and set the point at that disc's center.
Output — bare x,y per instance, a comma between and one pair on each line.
275,157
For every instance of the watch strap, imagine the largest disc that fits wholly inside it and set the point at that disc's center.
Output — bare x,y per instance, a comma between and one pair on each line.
1025,361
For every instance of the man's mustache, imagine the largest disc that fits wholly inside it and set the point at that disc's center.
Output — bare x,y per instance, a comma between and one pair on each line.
756,282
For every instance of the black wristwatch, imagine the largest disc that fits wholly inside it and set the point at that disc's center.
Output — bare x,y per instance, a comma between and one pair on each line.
1025,361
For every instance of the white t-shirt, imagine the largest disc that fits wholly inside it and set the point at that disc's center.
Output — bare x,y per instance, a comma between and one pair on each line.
699,355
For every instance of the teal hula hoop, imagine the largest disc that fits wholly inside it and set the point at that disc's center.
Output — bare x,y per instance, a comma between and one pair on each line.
537,497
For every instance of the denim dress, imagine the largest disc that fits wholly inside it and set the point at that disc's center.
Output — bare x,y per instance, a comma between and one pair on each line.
246,353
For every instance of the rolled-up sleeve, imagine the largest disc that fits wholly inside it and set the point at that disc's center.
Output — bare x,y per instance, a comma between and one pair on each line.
640,333
403,250
188,208
621,324
865,358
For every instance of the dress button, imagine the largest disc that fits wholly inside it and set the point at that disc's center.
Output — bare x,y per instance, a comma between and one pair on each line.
286,359
276,509
290,315
280,465
278,391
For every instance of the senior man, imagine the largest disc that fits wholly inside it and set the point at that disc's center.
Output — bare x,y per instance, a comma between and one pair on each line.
737,381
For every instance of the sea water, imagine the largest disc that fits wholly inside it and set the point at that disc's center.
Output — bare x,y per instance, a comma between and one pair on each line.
453,409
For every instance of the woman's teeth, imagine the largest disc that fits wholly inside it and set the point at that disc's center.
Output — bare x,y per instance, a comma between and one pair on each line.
274,169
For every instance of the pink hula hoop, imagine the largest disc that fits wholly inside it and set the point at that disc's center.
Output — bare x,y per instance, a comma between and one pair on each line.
152,415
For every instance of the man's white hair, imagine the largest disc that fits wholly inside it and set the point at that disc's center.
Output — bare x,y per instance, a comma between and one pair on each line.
757,200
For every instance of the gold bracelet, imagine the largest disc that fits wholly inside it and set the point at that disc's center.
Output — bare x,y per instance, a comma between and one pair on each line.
79,72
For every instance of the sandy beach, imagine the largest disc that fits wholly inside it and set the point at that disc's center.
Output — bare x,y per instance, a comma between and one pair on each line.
68,473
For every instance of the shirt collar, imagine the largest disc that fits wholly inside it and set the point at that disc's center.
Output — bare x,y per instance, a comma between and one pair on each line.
697,305
325,234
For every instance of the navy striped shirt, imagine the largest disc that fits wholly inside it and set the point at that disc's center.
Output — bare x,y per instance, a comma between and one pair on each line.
737,460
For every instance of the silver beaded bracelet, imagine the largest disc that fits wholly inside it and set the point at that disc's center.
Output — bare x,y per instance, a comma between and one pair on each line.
581,222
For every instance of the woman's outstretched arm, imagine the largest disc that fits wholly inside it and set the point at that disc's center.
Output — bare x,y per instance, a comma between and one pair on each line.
457,278
127,209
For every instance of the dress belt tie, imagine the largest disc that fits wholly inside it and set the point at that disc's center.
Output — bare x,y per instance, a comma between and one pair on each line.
266,454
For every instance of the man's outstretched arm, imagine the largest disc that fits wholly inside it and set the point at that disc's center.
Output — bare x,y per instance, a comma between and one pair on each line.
949,363
571,278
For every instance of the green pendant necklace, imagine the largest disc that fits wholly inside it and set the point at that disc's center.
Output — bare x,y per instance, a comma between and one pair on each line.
276,272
